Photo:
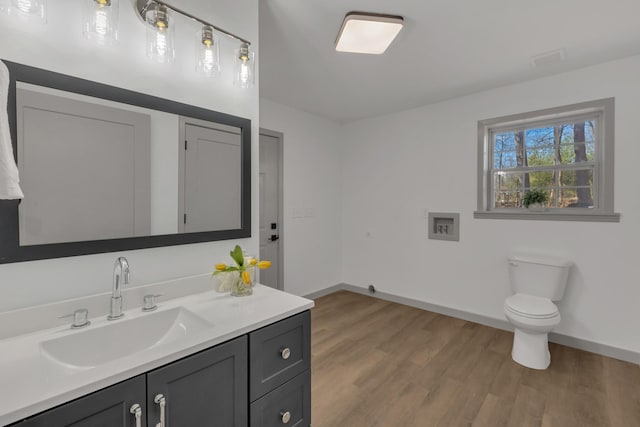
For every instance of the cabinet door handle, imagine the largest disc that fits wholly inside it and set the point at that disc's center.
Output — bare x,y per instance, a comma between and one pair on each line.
285,417
162,402
136,410
285,353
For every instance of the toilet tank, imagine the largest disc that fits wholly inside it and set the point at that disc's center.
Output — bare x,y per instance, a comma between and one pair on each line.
539,275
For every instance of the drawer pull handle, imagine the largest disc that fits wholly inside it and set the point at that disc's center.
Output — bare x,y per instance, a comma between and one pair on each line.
285,416
136,410
285,353
162,402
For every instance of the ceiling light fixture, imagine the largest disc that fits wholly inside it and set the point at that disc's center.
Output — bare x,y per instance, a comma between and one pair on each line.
369,33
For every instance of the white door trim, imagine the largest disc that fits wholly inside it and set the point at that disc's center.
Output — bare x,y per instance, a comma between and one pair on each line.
281,226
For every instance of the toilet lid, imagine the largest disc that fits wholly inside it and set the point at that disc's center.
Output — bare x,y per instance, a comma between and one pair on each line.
530,306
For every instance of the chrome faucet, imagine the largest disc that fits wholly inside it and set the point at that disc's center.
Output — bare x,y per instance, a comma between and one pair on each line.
121,277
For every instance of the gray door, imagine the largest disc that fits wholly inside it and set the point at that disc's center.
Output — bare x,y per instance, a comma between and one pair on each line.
213,177
208,389
106,408
270,226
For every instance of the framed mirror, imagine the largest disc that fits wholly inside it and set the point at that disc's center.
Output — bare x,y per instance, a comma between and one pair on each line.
105,169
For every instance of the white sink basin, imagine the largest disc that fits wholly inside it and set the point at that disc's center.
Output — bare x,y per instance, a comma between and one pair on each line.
120,338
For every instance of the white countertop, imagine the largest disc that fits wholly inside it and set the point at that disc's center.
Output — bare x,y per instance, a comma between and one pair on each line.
31,383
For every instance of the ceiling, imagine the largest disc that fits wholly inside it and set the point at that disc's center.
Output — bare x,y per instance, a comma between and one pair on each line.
446,49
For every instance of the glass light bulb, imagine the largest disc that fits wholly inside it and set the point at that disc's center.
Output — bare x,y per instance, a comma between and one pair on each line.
161,43
25,6
207,52
207,61
101,21
244,72
29,9
160,35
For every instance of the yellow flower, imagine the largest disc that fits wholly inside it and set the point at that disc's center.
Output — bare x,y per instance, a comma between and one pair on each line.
253,261
221,267
246,277
264,264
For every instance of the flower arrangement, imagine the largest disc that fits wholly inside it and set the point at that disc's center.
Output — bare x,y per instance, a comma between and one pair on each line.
238,278
532,197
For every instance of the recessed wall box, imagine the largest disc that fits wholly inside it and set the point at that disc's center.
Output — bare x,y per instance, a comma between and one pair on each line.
444,226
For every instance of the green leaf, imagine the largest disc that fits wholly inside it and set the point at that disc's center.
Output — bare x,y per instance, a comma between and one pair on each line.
237,255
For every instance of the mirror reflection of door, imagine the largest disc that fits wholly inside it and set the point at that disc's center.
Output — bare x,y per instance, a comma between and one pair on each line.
212,177
270,205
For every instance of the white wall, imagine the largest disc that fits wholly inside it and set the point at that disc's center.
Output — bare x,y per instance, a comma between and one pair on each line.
312,180
400,165
59,46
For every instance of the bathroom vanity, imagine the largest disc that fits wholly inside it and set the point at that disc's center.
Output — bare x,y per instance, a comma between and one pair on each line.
218,361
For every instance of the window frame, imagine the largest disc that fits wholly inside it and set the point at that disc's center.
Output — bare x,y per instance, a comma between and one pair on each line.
602,166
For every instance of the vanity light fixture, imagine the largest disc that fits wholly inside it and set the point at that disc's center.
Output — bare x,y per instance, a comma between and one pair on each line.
369,33
160,41
207,53
29,9
101,21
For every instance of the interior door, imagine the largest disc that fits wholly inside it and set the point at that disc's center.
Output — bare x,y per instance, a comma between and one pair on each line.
84,168
213,178
270,228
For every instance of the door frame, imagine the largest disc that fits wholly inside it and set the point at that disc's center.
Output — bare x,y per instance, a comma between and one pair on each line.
281,228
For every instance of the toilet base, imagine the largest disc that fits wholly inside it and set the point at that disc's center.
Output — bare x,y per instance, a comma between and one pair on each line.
531,349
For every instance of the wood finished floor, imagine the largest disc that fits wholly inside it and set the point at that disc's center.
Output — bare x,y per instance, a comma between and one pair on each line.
377,363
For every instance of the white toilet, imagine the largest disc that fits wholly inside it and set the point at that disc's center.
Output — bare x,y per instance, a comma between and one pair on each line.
536,281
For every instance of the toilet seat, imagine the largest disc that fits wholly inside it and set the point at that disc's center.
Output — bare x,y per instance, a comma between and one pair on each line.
531,306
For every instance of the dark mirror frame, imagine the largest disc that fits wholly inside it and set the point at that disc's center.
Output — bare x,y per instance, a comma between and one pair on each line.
10,249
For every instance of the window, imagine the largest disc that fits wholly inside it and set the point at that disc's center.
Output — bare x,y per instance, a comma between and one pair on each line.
566,152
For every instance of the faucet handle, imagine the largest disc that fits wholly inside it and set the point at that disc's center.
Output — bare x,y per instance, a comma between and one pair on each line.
80,318
149,302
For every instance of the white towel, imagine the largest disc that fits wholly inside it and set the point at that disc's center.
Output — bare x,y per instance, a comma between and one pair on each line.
9,179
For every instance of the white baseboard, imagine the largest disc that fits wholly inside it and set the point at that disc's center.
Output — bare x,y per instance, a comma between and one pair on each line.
579,343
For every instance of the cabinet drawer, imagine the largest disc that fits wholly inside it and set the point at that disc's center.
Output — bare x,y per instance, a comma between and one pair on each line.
288,405
278,352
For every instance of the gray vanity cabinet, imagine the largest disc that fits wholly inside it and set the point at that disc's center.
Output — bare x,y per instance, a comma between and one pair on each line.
208,389
262,379
110,407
